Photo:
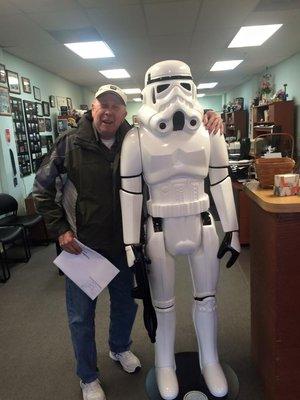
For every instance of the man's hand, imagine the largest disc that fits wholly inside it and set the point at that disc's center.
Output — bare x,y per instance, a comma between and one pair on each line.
213,122
67,242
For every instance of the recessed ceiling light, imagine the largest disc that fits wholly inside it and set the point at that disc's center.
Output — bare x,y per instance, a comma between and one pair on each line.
208,85
200,94
132,91
253,35
225,65
115,73
137,99
91,49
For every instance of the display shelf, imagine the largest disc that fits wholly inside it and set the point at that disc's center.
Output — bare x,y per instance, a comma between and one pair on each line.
20,136
235,123
33,135
273,118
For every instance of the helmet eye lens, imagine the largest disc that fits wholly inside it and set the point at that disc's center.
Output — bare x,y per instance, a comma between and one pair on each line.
187,86
161,88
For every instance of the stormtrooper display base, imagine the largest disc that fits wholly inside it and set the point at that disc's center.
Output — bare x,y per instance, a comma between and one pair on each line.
190,380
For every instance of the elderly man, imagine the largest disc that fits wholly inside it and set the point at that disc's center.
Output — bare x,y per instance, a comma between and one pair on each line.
86,163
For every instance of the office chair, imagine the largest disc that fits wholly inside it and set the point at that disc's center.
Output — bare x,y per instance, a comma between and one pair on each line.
9,205
9,235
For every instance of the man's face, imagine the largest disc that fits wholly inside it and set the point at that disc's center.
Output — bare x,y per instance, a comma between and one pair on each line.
108,113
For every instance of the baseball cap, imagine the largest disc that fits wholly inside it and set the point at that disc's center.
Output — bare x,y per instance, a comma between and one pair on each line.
111,89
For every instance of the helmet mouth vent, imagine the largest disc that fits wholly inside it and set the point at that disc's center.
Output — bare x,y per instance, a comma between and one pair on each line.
178,121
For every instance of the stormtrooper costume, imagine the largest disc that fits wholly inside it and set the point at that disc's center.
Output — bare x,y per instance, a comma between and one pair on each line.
173,152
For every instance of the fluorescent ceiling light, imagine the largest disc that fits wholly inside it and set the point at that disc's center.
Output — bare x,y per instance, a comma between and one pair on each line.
253,35
115,73
208,85
137,99
132,91
200,94
225,65
91,49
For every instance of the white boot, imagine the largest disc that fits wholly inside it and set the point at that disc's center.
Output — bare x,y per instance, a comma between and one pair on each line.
205,321
164,354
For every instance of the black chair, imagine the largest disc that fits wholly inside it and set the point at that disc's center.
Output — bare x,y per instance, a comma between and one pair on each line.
9,205
8,236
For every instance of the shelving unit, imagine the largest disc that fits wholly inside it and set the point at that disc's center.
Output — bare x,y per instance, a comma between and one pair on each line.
235,123
272,118
34,139
21,136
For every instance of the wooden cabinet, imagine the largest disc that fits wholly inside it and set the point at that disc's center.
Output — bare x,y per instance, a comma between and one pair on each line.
273,117
235,123
275,286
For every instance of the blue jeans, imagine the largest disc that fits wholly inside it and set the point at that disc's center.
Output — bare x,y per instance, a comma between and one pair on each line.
81,316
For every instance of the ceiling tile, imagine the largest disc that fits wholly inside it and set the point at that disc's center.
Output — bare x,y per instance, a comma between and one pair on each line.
44,5
68,19
27,32
118,22
106,3
216,14
171,17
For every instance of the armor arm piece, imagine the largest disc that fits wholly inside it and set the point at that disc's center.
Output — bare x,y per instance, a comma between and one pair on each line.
221,190
131,188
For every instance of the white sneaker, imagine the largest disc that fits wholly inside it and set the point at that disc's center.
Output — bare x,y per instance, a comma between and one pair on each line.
130,363
92,391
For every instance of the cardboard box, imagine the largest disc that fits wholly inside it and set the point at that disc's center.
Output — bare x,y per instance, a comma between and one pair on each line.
286,184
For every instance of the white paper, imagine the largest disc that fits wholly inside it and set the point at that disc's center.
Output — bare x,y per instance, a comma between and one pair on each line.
89,270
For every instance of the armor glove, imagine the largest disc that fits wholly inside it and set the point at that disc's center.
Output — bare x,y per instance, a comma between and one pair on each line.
230,243
130,256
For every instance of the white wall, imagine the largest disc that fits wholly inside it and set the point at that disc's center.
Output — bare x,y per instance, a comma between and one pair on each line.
49,84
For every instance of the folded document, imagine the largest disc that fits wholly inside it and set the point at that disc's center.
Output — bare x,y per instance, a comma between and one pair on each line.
89,270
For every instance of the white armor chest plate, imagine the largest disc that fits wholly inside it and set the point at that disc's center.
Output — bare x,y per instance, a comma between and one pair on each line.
174,168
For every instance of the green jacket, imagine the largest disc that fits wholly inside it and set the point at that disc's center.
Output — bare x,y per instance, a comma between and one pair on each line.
77,188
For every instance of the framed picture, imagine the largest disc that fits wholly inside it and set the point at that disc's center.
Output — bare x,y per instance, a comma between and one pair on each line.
69,103
4,101
26,85
39,109
61,101
48,125
41,123
2,74
13,82
52,101
62,125
46,108
37,93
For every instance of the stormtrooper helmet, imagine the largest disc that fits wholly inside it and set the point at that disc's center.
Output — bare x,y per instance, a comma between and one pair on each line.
169,99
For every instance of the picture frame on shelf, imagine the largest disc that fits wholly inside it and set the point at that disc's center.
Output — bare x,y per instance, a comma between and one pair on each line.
13,82
62,125
52,101
46,108
48,125
41,124
37,93
3,78
61,101
39,109
69,103
26,85
4,101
